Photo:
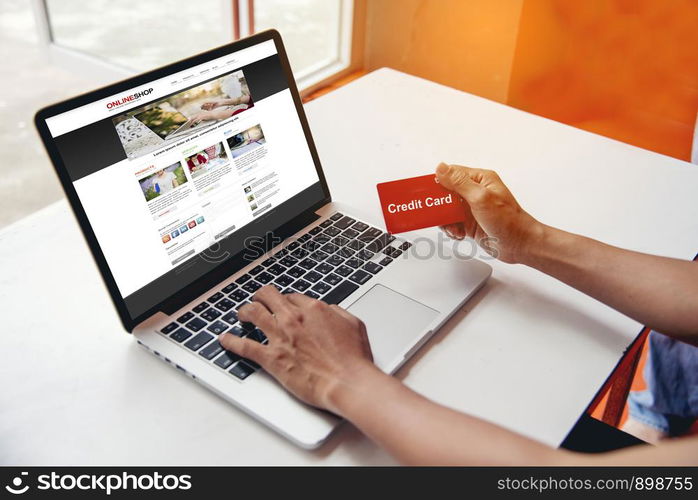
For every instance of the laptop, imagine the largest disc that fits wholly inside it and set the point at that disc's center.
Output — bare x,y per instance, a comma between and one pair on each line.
179,263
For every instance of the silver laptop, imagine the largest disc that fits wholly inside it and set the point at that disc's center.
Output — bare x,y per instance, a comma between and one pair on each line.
184,235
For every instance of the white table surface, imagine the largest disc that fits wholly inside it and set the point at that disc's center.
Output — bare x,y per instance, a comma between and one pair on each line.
527,352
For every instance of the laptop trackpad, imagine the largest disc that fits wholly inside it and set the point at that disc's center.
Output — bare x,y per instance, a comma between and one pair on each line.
393,322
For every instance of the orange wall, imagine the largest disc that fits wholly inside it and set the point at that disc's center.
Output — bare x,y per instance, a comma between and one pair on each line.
468,45
627,69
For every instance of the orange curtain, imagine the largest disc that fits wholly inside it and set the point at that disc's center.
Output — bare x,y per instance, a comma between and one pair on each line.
627,69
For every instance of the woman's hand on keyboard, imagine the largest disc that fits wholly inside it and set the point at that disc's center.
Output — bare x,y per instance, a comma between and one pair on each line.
494,219
315,350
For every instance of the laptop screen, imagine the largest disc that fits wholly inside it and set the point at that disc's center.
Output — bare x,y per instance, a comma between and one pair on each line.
177,174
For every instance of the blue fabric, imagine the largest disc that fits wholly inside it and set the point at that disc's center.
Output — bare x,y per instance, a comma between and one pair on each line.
670,402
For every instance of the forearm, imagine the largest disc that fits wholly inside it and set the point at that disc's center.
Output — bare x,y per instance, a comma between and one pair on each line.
656,291
418,431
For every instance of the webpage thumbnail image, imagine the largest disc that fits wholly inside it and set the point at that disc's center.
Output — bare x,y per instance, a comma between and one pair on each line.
163,181
150,127
246,141
206,160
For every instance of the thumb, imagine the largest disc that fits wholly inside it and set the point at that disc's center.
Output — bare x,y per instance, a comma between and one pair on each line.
457,178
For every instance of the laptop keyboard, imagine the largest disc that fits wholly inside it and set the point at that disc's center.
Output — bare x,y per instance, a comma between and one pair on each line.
328,262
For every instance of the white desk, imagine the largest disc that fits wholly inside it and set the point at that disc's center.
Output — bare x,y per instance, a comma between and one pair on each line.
527,352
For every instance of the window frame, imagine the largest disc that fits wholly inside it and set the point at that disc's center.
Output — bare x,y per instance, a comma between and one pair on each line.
240,13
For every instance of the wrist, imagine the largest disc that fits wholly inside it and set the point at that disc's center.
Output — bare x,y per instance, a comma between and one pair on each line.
344,392
544,245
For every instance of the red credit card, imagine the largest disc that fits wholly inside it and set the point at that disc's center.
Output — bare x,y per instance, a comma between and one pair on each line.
418,202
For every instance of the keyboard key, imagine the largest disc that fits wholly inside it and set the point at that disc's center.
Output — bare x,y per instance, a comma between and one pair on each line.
284,280
256,270
315,230
356,245
169,328
215,297
354,263
379,243
340,241
242,371
257,335
243,278
196,324
385,261
344,222
364,255
322,239
239,295
269,262
237,331
181,335
336,216
372,267
312,245
300,253
332,279
341,292
276,269
304,237
210,314
217,327
312,276
322,288
251,286
307,263
392,252
324,268
226,359
224,305
264,277
287,291
185,317
405,245
334,260
237,308
332,231
326,223
211,350
200,307
318,255
329,248
198,341
350,234
301,285
370,234
296,272
359,226
311,294
360,277
288,261
344,270
345,252
231,317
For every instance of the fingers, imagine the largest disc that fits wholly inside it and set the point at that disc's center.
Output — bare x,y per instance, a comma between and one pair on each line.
258,314
299,300
245,348
342,312
270,297
455,231
458,179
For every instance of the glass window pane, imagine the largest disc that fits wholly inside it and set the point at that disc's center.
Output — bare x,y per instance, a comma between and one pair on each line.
310,29
137,34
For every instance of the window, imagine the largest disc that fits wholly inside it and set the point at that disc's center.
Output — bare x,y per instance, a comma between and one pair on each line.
115,39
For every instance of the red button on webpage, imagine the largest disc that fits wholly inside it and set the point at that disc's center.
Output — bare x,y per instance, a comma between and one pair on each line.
418,202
